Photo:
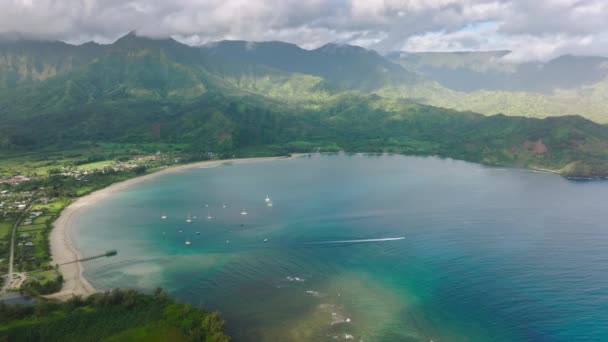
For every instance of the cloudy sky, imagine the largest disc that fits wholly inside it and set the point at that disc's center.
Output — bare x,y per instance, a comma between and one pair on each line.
532,29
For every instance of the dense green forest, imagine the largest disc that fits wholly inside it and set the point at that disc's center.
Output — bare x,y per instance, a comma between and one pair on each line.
141,90
118,315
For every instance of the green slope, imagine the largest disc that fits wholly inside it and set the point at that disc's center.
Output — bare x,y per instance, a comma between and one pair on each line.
586,101
144,90
486,83
343,66
29,62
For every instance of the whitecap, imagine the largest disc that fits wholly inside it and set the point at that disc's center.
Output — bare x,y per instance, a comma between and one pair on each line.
313,293
296,279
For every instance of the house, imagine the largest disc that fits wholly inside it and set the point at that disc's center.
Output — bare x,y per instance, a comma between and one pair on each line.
36,213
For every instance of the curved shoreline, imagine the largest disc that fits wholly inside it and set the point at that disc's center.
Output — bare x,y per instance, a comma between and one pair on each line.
63,249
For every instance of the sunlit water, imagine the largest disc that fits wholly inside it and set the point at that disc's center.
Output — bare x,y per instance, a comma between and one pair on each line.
488,254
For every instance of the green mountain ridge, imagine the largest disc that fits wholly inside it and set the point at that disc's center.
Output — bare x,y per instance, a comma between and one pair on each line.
477,81
345,66
469,71
141,90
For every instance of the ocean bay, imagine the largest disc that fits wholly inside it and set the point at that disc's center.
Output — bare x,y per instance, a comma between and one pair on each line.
488,254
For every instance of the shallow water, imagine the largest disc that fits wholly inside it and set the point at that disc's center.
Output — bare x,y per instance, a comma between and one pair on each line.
489,254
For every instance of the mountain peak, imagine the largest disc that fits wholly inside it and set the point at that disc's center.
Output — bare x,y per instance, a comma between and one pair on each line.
135,40
341,48
246,45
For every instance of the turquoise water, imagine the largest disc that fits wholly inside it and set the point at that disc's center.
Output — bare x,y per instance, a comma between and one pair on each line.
489,254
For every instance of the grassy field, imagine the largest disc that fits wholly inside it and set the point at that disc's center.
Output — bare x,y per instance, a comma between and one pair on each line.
157,331
32,163
52,208
24,255
88,157
29,228
43,276
96,165
5,228
37,258
41,219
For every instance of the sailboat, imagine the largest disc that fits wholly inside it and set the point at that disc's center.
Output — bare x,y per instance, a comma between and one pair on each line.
224,206
189,219
267,199
209,217
243,212
269,204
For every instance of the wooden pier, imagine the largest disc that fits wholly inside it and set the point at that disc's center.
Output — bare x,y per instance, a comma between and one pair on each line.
109,253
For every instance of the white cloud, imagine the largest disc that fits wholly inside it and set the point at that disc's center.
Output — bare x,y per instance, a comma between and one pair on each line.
532,29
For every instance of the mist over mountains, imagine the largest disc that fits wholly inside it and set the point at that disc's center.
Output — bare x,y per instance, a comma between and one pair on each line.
471,71
484,82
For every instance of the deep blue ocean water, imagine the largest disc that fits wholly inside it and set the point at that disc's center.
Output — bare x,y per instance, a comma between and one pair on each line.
489,254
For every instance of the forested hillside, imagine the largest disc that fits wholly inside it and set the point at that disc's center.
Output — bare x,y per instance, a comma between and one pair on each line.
231,97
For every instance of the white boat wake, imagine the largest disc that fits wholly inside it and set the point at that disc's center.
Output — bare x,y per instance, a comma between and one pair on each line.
358,241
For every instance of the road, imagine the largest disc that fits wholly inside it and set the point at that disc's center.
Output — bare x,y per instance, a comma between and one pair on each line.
9,275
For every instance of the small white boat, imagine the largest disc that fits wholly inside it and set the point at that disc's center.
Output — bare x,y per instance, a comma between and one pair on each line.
189,219
267,198
266,240
164,217
181,231
198,233
269,204
224,206
243,212
188,242
227,241
209,217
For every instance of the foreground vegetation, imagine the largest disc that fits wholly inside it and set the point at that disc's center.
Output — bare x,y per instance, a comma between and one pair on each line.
119,315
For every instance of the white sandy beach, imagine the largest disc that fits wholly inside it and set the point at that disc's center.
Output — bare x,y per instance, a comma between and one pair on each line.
63,249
